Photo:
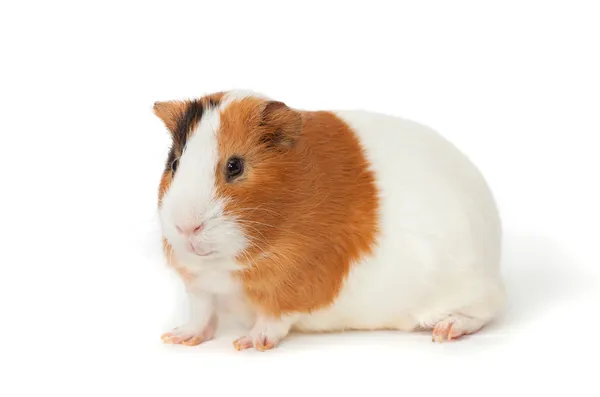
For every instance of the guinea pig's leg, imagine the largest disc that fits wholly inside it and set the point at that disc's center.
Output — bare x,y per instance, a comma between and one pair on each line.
201,325
267,332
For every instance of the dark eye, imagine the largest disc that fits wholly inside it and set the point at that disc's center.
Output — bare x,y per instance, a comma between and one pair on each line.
235,167
174,165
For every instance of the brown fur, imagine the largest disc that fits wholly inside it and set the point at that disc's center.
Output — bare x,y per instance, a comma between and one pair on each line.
169,112
165,182
307,200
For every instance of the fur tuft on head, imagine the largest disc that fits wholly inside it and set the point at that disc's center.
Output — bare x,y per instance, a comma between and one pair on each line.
170,112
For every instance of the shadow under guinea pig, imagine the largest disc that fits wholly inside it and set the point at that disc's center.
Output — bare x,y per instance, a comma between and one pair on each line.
538,274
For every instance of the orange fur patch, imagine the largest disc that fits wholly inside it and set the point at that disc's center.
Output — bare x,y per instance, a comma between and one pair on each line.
307,200
165,182
169,112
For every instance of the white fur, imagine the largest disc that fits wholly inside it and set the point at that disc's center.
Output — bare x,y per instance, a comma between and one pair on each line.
436,260
237,95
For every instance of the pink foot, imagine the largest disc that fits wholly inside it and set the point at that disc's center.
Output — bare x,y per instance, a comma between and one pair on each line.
261,343
190,334
243,343
266,333
455,326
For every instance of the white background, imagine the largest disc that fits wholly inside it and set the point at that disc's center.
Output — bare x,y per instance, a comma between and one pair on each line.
84,292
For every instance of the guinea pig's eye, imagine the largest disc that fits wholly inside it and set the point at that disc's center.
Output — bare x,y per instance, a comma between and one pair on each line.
235,167
174,165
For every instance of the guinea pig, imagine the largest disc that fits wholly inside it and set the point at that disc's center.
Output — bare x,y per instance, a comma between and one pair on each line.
314,221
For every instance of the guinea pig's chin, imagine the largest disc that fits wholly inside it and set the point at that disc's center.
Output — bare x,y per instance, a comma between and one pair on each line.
195,253
203,256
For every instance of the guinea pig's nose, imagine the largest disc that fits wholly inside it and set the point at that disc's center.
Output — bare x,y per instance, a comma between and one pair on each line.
189,230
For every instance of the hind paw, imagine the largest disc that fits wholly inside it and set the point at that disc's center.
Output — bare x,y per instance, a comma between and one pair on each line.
455,326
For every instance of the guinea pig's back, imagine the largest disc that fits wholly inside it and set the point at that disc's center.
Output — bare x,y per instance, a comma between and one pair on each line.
427,188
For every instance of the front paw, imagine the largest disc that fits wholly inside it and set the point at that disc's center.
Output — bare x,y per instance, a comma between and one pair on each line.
190,334
266,333
260,342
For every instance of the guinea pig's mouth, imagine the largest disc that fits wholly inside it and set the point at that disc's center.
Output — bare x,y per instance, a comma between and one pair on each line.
200,252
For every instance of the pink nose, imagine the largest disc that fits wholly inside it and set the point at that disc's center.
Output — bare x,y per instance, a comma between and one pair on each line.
186,231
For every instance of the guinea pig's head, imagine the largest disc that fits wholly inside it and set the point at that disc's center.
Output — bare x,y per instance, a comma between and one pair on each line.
231,174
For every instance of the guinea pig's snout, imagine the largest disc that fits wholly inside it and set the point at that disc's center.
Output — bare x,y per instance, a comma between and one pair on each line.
188,231
190,234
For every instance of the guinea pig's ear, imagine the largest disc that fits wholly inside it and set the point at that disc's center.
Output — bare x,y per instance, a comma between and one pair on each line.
282,125
169,112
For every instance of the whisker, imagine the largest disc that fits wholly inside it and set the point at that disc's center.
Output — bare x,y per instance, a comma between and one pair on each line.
245,221
277,253
264,239
258,208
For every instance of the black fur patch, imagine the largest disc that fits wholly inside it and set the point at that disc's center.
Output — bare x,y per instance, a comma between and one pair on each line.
170,158
213,103
186,122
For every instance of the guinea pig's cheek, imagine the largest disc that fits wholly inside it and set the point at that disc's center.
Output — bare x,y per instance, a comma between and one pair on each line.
231,239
